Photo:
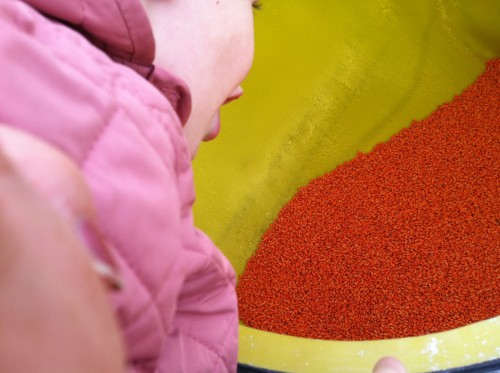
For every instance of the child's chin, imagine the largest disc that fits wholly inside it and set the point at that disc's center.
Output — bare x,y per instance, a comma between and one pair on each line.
214,128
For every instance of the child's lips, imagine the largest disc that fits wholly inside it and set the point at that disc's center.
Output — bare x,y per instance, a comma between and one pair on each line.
215,124
214,127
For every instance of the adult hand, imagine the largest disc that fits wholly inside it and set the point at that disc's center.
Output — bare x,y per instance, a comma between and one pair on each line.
54,311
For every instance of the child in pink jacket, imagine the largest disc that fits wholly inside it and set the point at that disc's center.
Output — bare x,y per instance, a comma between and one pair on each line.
126,91
103,104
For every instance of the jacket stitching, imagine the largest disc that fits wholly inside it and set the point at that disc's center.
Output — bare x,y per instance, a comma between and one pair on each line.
98,136
219,266
84,12
151,303
121,253
209,348
129,30
157,154
220,357
224,340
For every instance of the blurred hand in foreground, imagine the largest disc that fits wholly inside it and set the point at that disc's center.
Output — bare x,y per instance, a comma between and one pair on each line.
54,311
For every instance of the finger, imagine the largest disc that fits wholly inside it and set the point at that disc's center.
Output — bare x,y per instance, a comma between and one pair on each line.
389,365
58,178
49,170
54,314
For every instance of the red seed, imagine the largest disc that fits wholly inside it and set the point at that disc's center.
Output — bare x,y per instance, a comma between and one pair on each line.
401,241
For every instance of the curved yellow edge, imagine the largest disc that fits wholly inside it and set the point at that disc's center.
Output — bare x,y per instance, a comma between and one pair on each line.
459,347
331,78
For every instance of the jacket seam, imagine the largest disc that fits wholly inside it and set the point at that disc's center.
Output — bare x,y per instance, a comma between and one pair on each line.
129,31
220,269
146,139
151,302
219,356
84,12
114,245
224,340
212,350
102,129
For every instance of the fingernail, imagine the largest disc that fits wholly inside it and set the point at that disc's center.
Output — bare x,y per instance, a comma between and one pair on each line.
109,276
103,264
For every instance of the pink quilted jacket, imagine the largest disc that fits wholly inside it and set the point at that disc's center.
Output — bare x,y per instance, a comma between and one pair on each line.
79,74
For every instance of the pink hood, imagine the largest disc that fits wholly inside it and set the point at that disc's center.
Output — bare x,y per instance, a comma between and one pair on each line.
119,27
122,30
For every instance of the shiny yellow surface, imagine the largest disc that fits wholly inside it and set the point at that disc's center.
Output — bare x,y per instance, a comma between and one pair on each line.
331,78
459,347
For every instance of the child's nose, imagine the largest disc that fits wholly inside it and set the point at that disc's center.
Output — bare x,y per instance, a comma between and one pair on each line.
235,94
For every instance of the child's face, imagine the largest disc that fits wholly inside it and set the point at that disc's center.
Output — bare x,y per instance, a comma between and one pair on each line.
209,44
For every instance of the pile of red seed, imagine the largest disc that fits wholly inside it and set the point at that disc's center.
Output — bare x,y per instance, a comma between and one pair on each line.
402,241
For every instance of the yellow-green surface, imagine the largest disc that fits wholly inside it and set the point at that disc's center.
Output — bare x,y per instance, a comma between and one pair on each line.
331,78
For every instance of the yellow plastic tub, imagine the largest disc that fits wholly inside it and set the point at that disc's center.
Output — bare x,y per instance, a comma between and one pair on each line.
333,77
